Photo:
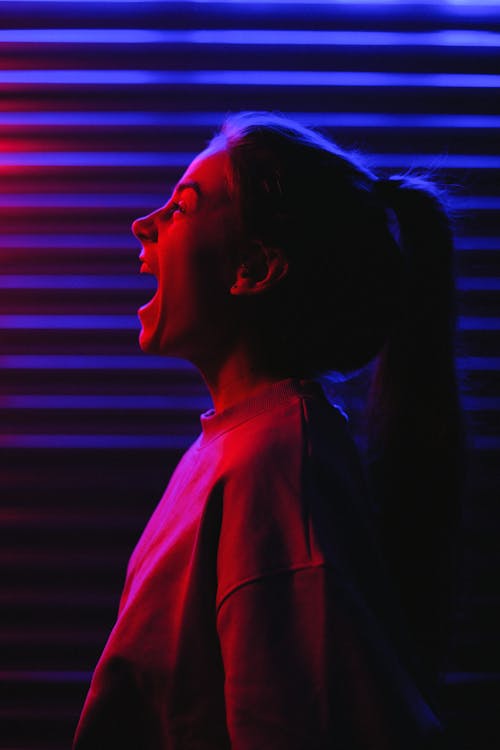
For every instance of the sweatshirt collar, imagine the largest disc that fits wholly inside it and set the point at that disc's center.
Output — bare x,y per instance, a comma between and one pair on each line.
270,395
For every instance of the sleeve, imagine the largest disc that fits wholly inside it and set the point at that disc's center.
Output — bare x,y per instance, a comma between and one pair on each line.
299,674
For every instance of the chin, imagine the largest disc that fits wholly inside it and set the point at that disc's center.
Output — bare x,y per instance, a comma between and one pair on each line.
147,343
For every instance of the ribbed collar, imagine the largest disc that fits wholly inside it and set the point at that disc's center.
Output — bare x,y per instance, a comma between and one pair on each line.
270,395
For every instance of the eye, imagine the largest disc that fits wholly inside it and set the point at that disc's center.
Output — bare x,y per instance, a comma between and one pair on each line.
173,208
176,207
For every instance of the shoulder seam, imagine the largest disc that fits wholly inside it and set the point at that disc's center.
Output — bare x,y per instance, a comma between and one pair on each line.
268,574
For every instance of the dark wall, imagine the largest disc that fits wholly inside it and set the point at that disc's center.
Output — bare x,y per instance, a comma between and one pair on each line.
102,105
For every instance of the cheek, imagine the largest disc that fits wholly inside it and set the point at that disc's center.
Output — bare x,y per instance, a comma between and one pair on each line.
191,278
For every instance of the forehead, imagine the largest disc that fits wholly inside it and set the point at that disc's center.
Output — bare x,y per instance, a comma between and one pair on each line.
210,170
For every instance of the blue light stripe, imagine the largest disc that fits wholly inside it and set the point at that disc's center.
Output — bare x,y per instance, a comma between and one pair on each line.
165,403
436,161
486,443
60,281
125,241
119,362
478,283
249,78
469,5
147,159
78,200
142,362
292,37
69,322
474,323
481,403
476,202
45,676
146,282
212,119
478,364
131,322
464,4
97,442
478,243
108,402
42,242
96,159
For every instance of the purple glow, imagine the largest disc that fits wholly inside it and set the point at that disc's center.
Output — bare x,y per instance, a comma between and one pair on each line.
249,78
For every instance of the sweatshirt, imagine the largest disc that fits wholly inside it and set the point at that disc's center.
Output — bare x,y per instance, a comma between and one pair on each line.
257,613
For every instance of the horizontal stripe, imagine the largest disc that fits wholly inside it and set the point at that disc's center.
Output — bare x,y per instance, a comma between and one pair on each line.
273,37
478,363
436,161
486,443
468,678
77,200
476,202
169,403
125,241
143,362
249,78
481,403
96,159
462,4
144,159
146,282
473,323
112,403
141,442
119,362
144,201
69,322
131,322
212,119
477,243
97,442
133,403
39,241
63,282
45,676
173,159
482,284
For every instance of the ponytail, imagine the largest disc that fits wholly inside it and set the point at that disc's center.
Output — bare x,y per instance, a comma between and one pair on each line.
349,279
414,426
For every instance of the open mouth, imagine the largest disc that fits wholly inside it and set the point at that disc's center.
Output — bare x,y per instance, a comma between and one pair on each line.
146,269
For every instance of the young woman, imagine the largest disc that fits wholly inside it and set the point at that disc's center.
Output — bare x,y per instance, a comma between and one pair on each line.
268,606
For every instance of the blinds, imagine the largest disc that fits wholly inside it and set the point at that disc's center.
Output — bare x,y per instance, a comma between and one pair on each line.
102,105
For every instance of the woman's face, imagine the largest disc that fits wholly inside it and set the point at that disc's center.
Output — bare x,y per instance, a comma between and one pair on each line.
188,245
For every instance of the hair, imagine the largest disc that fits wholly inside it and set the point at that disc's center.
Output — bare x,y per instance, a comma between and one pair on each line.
370,282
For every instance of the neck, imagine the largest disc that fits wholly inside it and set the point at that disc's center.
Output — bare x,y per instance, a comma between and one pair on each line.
234,378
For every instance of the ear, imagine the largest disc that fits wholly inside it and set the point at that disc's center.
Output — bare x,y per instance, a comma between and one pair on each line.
263,268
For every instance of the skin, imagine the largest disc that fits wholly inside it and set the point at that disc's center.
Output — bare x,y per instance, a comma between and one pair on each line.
195,247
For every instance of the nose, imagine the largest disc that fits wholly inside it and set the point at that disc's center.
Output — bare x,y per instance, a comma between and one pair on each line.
144,228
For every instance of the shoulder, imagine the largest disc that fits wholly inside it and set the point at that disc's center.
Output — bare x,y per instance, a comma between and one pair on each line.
268,519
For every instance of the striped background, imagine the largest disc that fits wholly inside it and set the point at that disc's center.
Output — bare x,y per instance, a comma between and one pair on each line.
102,105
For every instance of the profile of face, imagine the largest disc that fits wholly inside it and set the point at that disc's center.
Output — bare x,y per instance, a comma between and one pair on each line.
188,246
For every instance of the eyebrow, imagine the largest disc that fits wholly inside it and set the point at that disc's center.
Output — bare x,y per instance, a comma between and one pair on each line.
185,185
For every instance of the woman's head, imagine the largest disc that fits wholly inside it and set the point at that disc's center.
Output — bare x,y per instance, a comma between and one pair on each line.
286,243
301,195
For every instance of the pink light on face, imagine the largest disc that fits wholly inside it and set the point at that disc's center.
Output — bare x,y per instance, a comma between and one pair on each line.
184,243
